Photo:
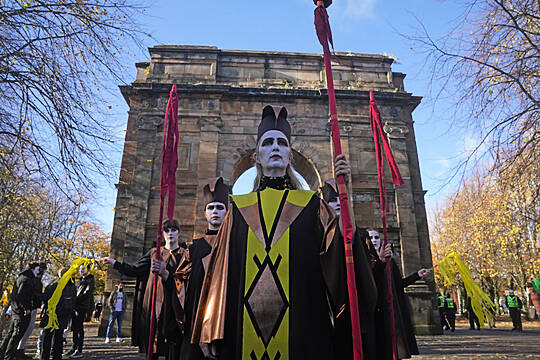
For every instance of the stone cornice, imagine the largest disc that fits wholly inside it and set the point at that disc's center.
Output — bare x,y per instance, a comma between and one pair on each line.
242,92
193,49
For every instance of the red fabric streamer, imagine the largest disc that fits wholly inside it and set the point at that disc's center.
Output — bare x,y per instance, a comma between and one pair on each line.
169,164
380,136
324,33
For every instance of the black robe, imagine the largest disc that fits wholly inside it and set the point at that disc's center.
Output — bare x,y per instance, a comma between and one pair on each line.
286,308
406,342
198,251
367,302
168,328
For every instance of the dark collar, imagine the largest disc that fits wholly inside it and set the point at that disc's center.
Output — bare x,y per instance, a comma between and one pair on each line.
211,232
277,183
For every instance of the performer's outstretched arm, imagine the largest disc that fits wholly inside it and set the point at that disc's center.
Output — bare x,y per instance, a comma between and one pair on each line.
140,269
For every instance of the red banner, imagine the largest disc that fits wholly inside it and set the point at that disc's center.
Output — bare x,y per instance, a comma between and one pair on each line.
169,164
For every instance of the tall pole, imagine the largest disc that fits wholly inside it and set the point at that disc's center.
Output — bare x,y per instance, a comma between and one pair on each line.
379,136
169,164
324,34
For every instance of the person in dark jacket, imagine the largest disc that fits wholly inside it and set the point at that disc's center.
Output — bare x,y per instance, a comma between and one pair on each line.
406,342
97,311
117,302
168,310
22,301
37,301
82,310
64,309
473,319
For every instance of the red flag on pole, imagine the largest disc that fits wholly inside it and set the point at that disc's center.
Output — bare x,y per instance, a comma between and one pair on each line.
379,136
169,154
324,33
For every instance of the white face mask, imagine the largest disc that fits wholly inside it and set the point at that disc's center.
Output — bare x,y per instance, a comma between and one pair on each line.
274,153
171,237
36,271
214,214
335,205
375,239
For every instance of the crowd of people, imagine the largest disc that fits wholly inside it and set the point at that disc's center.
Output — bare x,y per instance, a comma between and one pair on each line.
267,280
73,307
510,303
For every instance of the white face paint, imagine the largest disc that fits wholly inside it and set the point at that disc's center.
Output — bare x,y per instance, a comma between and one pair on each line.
214,214
273,153
82,270
335,205
36,271
171,238
375,239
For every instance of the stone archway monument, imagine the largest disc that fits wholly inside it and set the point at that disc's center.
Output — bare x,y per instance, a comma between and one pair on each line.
221,96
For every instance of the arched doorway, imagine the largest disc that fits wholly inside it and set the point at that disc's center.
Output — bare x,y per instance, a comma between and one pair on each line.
244,171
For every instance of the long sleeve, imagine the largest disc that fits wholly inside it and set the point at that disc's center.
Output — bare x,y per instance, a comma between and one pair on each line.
25,291
110,300
411,279
140,269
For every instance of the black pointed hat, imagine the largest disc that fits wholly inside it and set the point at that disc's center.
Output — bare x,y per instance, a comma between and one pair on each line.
330,191
274,118
216,190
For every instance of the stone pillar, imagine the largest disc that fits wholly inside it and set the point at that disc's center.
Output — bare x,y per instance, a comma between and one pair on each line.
206,165
129,232
413,227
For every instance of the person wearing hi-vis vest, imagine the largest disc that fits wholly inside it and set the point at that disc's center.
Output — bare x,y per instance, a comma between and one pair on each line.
450,312
513,302
442,312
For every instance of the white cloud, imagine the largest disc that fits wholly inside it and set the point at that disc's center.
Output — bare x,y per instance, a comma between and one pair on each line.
472,144
444,163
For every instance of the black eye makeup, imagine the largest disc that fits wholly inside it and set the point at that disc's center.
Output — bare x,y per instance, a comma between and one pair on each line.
282,142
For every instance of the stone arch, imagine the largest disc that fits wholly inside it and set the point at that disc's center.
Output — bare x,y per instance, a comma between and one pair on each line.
301,163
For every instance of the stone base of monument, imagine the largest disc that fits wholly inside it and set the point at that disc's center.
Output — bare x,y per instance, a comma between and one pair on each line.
424,310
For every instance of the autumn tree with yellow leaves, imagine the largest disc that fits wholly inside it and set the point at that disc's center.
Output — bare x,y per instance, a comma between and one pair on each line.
493,223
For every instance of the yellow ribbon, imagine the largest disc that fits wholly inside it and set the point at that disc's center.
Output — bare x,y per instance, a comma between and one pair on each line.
480,301
57,294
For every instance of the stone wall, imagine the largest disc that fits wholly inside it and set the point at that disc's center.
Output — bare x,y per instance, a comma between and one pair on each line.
221,95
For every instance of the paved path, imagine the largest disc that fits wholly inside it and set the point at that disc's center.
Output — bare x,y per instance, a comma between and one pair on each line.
485,344
500,343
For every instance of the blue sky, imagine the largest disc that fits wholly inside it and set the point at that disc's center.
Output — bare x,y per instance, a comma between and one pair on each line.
368,26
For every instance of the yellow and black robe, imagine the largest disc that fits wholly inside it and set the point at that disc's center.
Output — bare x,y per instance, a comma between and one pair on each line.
266,293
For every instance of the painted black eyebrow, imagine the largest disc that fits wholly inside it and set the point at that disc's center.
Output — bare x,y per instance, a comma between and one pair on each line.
270,140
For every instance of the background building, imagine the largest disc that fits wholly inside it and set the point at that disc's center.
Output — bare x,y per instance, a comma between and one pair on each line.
221,96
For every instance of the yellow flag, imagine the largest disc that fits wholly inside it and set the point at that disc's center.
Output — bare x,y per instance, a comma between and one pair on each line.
481,303
57,294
